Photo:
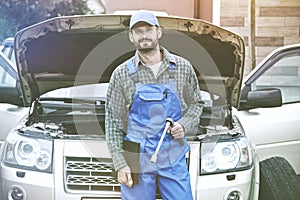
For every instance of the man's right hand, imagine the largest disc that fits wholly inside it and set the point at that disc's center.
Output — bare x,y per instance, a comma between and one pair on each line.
124,176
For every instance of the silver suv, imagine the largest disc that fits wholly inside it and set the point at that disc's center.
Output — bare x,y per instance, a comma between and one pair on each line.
59,150
11,108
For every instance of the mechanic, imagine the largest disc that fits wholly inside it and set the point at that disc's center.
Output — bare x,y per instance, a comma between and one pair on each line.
143,92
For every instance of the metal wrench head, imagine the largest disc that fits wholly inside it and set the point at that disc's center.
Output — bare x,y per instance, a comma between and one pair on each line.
170,120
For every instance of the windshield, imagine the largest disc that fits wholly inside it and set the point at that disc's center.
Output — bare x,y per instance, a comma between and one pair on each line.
98,92
92,91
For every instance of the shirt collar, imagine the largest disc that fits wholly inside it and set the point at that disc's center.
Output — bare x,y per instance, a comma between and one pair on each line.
167,57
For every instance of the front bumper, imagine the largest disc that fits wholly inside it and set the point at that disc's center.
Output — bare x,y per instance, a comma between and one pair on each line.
56,186
237,185
32,185
242,185
75,179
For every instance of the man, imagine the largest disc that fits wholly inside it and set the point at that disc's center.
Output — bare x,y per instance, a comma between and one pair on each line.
143,92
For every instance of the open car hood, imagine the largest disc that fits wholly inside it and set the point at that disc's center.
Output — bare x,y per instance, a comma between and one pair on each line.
76,50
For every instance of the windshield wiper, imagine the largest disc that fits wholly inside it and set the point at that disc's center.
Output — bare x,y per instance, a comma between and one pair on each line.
75,100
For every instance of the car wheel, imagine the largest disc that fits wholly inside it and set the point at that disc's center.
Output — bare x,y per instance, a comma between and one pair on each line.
278,180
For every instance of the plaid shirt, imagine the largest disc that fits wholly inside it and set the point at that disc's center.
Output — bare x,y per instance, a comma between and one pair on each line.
121,91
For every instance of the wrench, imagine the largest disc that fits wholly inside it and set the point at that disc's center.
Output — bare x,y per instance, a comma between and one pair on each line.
169,122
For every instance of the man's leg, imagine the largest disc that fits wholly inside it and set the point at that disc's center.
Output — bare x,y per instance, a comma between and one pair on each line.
174,182
146,189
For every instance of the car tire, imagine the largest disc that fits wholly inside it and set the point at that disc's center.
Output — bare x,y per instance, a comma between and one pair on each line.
278,180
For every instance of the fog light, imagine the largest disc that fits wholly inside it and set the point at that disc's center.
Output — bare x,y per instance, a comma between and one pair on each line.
234,195
16,193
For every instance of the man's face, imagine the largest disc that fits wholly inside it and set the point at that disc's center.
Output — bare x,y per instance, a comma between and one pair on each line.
144,36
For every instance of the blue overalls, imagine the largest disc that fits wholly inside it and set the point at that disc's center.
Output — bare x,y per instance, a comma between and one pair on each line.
152,105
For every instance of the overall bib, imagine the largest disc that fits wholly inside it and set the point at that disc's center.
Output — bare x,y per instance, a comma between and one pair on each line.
152,105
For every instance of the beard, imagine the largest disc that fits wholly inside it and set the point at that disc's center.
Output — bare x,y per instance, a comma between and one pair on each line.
146,45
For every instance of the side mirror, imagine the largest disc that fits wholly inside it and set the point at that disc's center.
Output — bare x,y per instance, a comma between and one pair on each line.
262,98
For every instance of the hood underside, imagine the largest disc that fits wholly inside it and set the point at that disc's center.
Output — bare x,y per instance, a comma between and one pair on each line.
77,50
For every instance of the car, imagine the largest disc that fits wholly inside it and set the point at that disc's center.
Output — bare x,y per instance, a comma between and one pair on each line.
268,126
10,114
59,150
274,129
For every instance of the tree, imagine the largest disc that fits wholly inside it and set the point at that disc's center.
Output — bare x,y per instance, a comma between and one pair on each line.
18,14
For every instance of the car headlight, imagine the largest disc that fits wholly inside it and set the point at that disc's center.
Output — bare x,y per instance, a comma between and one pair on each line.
225,156
28,153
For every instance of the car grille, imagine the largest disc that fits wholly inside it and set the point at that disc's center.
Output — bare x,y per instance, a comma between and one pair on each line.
90,174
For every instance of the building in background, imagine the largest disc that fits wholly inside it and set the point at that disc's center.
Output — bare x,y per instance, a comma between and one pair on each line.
277,22
187,8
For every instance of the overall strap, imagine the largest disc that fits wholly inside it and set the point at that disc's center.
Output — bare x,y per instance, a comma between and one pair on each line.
172,71
133,72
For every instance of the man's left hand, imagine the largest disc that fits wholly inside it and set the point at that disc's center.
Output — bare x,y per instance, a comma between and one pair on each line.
177,131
